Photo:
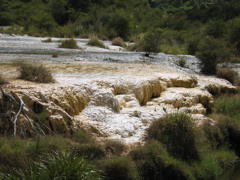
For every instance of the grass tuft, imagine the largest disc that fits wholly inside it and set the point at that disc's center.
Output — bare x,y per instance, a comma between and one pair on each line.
118,42
177,133
35,73
69,44
94,41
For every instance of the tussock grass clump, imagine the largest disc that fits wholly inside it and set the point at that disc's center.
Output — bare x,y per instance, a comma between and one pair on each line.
47,40
94,41
121,168
35,73
69,44
228,74
58,165
118,42
2,80
154,162
178,134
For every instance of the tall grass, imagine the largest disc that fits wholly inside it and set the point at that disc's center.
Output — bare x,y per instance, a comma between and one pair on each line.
59,165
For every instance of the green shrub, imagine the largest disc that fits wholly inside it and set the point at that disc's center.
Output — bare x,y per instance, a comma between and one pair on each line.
35,73
182,62
213,164
234,32
69,43
118,42
119,23
215,28
151,42
230,129
94,41
47,40
154,162
211,51
115,147
193,44
3,80
177,133
58,165
228,74
121,168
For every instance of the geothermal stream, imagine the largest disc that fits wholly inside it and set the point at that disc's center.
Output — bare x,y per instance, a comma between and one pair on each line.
112,93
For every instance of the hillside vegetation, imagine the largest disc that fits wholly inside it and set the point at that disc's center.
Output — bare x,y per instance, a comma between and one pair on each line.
208,29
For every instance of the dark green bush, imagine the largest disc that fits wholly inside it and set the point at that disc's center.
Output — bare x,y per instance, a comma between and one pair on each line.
214,135
69,43
177,132
94,41
121,168
228,74
151,42
230,129
35,73
120,24
215,28
214,164
212,51
193,44
154,162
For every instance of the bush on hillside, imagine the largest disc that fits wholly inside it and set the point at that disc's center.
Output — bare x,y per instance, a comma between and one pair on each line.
151,42
228,74
69,43
212,51
178,134
35,73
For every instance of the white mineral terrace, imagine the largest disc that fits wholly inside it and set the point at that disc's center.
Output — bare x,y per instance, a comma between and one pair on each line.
116,100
